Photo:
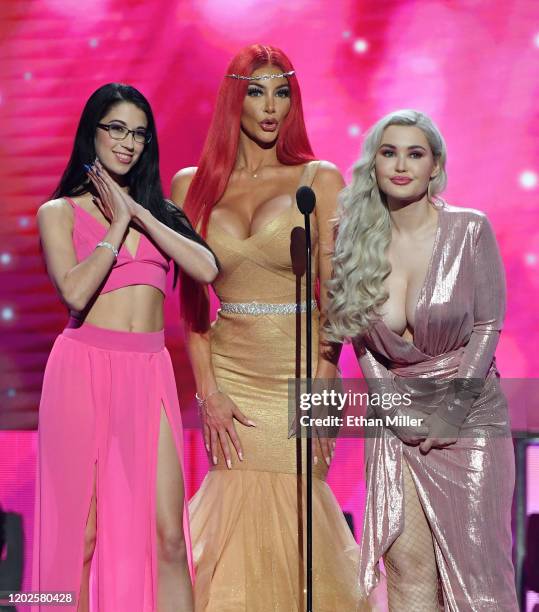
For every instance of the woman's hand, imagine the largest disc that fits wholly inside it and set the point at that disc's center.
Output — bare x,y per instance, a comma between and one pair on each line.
408,434
324,445
218,415
441,434
116,205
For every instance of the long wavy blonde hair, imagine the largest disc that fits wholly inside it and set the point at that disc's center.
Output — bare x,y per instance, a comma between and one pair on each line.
360,262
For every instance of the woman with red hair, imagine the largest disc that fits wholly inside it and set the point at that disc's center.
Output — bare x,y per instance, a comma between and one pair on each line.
247,538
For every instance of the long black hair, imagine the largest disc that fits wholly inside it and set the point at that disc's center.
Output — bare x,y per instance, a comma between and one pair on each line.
143,180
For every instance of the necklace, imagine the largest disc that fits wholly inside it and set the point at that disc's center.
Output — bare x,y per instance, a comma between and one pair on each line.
253,173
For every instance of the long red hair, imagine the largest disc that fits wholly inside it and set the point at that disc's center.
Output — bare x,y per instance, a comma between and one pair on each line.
220,152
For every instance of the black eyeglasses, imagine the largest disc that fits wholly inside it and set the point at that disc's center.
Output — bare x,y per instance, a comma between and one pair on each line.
117,131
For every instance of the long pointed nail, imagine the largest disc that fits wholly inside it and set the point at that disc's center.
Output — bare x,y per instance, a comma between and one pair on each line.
328,460
315,460
208,447
240,455
87,167
229,464
214,460
251,423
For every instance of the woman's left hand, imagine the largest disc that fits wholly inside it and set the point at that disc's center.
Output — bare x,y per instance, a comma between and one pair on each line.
441,434
322,445
324,438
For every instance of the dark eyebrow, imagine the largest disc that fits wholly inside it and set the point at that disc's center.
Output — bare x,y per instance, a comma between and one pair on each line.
390,146
258,84
140,127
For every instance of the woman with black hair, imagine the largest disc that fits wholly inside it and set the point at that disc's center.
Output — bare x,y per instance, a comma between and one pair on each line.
110,483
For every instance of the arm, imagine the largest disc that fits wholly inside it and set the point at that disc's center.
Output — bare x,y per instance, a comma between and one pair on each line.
328,183
76,283
197,261
489,312
218,409
198,344
192,257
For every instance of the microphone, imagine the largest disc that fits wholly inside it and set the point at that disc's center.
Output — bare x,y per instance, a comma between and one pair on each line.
306,200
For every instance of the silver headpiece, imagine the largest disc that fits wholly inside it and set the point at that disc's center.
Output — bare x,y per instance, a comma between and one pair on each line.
261,77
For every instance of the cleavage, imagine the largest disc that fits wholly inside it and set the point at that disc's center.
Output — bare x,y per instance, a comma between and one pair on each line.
242,223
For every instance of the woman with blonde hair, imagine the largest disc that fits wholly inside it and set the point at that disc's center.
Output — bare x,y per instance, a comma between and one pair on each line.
419,289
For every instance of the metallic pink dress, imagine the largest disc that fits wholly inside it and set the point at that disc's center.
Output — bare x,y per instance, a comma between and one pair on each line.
465,489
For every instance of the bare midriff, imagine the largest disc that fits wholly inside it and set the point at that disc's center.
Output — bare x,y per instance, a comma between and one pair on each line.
136,308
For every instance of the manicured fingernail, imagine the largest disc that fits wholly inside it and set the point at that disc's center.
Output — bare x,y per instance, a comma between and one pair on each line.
328,460
214,460
208,447
87,167
251,423
229,464
240,455
315,460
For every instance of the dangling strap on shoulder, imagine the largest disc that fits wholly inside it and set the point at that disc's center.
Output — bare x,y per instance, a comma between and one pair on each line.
309,173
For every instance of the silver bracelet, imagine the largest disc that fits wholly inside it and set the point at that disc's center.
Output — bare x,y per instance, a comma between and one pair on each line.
202,402
108,245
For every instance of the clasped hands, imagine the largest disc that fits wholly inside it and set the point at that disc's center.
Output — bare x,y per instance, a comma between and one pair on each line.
115,204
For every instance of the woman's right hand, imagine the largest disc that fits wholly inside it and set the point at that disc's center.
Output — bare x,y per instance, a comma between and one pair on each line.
218,417
111,201
411,434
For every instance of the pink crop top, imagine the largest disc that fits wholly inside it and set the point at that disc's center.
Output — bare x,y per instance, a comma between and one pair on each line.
149,266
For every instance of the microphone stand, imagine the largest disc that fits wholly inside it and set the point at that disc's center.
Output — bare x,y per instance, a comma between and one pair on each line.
309,456
306,201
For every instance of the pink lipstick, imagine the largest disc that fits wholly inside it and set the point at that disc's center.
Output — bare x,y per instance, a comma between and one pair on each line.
269,125
401,180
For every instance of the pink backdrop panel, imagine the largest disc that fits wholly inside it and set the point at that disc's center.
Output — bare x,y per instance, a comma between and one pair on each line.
471,65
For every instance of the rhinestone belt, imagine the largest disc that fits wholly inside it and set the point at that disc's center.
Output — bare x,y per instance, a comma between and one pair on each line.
255,308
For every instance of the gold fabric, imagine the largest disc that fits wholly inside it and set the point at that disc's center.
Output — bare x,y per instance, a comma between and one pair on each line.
244,522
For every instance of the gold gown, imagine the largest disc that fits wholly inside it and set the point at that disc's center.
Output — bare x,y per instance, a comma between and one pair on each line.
244,521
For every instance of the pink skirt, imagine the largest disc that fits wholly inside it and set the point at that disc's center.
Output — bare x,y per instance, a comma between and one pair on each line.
100,413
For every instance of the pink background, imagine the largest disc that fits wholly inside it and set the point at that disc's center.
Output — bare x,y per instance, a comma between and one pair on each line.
471,65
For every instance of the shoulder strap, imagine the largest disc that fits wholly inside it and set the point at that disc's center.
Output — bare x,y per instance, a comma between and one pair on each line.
309,172
70,202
